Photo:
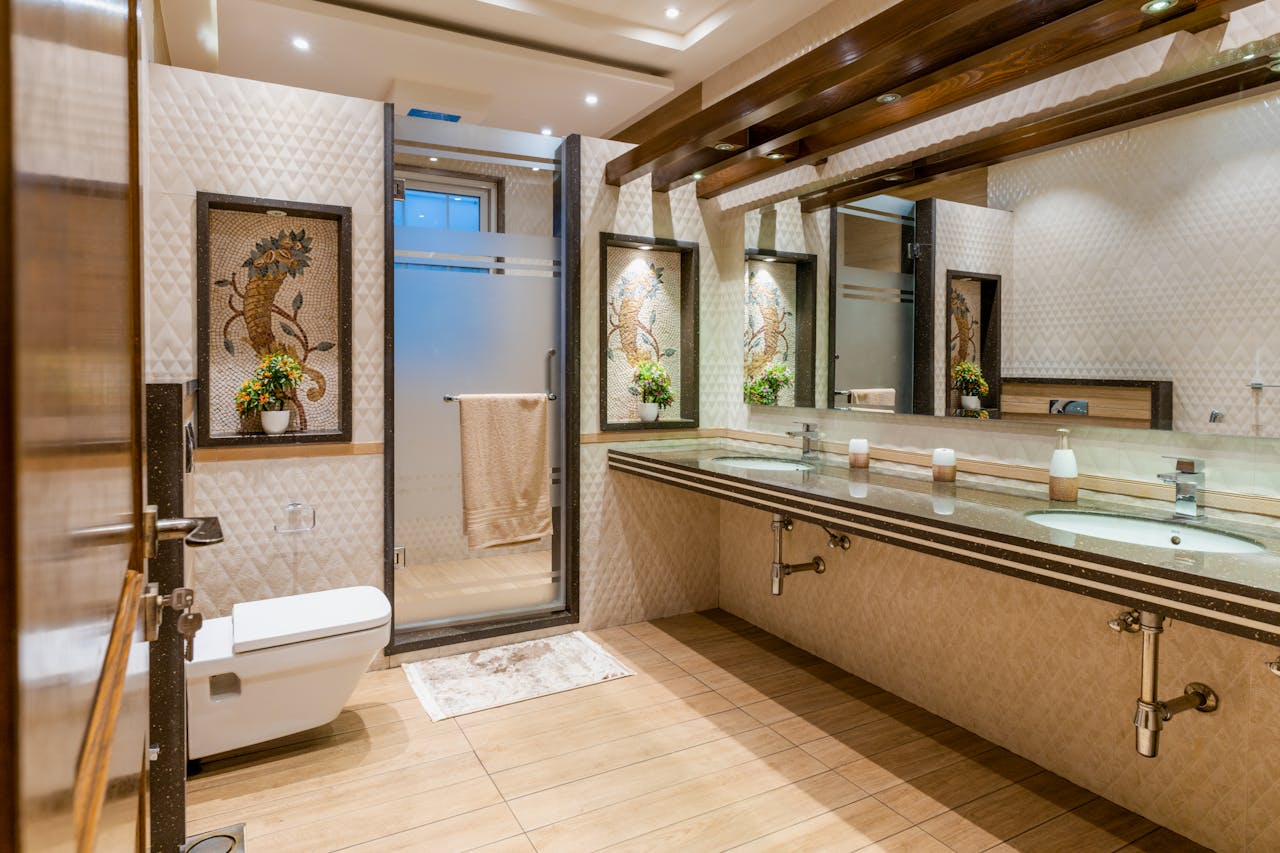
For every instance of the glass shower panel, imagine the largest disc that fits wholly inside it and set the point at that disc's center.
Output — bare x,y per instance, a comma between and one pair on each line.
475,313
874,344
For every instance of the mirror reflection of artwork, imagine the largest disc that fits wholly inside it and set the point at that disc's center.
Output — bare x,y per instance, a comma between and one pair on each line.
770,316
642,317
966,323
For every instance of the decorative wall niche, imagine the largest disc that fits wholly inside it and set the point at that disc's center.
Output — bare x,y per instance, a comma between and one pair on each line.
973,334
779,324
648,313
273,276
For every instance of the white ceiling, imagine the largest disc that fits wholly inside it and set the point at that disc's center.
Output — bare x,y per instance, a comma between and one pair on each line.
518,64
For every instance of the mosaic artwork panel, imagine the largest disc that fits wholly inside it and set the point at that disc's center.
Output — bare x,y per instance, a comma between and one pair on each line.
770,324
275,285
643,323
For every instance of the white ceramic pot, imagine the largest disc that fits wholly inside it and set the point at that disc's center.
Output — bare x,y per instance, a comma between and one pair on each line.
275,423
648,412
970,402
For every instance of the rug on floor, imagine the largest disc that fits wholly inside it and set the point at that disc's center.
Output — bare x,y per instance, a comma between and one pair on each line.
460,684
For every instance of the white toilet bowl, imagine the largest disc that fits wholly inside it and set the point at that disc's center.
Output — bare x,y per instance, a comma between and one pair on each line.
280,666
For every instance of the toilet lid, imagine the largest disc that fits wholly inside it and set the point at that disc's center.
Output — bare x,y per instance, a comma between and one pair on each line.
295,618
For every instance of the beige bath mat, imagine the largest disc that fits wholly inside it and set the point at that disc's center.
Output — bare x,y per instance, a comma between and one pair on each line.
461,684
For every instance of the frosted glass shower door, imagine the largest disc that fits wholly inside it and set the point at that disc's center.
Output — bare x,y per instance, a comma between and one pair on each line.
475,313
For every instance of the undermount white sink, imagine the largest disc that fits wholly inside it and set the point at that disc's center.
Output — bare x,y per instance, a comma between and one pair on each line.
763,463
1145,531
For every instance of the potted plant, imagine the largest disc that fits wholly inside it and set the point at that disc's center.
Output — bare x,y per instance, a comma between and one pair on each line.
653,388
268,389
966,378
764,389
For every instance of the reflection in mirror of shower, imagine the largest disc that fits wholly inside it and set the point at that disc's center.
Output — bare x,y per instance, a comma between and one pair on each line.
486,330
875,299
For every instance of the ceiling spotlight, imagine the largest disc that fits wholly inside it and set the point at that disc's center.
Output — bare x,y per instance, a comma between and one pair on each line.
546,131
697,176
434,159
591,100
725,146
301,44
276,213
889,98
770,260
1275,66
1155,7
536,169
672,13
646,248
895,177
776,155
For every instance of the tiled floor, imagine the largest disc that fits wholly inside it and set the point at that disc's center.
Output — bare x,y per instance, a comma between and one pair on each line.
727,738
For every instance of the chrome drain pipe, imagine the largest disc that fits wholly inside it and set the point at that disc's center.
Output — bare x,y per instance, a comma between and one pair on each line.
780,569
1152,712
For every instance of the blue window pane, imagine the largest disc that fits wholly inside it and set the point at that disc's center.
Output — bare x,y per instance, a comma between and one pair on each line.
397,210
425,210
464,213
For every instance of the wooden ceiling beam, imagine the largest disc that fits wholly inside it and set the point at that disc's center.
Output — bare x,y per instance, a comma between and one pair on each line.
879,43
1105,28
1227,82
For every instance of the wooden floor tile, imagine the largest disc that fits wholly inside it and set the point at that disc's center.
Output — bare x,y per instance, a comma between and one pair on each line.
1002,814
1098,826
956,784
849,827
920,756
493,825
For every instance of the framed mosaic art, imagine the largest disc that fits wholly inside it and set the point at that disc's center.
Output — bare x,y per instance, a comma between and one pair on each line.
273,277
648,319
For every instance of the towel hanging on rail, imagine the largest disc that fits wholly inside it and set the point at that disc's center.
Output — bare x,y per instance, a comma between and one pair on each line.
506,468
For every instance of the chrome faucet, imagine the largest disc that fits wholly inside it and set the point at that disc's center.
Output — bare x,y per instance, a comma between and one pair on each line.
806,434
1187,479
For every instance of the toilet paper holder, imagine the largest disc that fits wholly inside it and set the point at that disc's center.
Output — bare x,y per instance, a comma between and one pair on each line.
299,518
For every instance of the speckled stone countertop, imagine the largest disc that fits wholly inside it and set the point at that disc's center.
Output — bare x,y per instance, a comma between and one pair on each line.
984,521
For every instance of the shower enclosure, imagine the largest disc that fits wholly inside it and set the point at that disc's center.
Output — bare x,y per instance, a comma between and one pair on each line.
481,298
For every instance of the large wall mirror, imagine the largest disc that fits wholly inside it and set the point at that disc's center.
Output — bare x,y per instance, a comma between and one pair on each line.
1125,280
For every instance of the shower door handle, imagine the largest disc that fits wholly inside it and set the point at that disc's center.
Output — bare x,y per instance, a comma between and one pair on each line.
551,374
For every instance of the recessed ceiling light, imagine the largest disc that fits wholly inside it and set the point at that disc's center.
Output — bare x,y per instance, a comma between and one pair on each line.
775,155
646,248
672,13
457,198
725,146
301,44
1249,56
434,159
770,260
1155,7
697,176
546,131
536,169
276,213
591,100
895,177
889,98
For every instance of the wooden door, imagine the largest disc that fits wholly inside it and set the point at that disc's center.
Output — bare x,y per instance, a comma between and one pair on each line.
73,671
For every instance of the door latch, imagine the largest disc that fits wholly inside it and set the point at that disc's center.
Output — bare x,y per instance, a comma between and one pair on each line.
182,600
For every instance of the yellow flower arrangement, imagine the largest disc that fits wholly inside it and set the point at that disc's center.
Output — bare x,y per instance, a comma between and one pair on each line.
270,386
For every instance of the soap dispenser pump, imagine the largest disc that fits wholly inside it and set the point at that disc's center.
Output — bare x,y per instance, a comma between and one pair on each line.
1064,477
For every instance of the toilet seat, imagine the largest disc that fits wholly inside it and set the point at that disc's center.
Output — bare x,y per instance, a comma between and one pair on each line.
296,618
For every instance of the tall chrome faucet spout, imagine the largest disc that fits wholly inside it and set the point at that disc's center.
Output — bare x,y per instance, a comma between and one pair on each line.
1187,480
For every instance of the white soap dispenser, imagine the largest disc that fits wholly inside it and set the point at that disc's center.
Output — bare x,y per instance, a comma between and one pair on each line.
1064,476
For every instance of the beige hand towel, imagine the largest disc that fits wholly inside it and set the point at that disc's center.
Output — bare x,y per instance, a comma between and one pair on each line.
506,468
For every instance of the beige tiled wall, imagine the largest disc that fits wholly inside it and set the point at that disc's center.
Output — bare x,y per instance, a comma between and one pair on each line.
1032,668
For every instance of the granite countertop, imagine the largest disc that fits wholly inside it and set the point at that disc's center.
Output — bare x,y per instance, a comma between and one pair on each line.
998,509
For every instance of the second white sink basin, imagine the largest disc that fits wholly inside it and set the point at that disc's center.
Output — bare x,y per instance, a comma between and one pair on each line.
1145,531
763,463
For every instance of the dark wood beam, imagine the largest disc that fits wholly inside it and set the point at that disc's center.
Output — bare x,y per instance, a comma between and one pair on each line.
679,108
1221,84
1104,28
879,43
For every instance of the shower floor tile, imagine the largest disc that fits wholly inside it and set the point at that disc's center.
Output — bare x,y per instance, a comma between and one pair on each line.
727,737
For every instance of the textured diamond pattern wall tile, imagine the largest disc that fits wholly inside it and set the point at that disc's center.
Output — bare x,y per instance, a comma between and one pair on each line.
1125,272
255,562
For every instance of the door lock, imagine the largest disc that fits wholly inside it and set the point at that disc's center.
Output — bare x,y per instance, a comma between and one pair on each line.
182,600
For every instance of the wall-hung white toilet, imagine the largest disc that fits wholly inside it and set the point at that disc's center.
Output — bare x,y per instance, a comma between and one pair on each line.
280,666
